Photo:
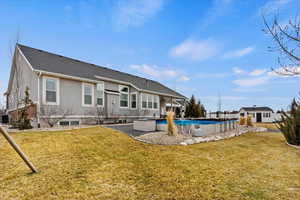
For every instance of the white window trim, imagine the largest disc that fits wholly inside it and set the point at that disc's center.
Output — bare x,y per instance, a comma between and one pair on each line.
141,96
157,102
153,97
57,90
136,100
122,86
101,82
82,95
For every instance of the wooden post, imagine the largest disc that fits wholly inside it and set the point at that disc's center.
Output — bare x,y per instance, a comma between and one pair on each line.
17,149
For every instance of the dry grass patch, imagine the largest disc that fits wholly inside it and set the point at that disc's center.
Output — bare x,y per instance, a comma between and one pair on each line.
267,125
99,163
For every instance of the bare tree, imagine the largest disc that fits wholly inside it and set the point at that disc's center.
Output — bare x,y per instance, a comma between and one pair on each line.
53,114
17,76
287,42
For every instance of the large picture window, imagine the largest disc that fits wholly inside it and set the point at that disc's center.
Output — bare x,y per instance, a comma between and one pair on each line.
100,94
51,91
133,100
88,94
144,101
149,101
156,102
124,96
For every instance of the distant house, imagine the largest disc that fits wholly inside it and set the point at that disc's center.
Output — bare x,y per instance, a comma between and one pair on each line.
258,114
85,90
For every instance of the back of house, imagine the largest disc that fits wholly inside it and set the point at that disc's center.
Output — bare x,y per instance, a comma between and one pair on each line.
76,92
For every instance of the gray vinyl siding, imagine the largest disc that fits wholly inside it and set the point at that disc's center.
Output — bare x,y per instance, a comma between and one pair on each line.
27,78
70,98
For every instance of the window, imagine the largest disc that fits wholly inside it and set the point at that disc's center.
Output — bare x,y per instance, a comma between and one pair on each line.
267,115
156,102
64,123
87,94
74,123
150,100
133,100
124,96
100,94
51,91
144,100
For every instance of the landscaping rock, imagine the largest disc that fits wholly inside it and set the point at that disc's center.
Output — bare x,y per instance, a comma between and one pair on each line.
189,141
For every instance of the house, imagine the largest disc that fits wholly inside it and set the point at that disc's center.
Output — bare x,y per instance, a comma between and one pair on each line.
77,92
258,114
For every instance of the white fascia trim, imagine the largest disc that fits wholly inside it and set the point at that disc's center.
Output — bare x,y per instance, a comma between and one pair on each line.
141,90
57,90
82,92
67,76
25,58
104,79
116,81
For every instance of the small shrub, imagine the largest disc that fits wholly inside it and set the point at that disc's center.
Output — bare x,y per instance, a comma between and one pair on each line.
290,124
172,129
242,121
24,121
249,120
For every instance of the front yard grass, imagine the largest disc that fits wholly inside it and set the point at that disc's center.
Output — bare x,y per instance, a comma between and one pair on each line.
99,163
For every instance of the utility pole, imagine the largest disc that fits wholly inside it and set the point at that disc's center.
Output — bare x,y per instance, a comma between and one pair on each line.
17,149
219,106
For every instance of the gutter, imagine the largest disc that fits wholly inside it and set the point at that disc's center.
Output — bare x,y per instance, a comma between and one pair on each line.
38,101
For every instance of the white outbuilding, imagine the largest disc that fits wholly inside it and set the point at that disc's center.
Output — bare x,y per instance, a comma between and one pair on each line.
258,114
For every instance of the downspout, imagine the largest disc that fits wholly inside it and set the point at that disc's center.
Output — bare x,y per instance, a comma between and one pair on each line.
38,102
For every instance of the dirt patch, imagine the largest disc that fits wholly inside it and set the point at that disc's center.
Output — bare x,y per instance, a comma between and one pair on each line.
163,138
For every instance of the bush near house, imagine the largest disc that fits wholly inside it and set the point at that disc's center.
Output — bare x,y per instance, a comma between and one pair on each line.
290,125
242,121
24,120
249,121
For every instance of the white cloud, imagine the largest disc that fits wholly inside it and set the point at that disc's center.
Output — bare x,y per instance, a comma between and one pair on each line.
228,98
155,71
257,72
212,75
250,82
237,70
133,13
183,79
195,50
272,5
247,89
239,53
285,72
219,8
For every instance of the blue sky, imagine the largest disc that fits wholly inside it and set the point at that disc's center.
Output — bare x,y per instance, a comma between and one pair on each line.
205,48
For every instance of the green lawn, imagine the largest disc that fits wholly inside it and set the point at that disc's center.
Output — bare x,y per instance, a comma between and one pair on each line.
98,163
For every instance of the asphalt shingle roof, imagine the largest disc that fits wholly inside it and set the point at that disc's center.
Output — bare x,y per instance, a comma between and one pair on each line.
264,108
50,62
